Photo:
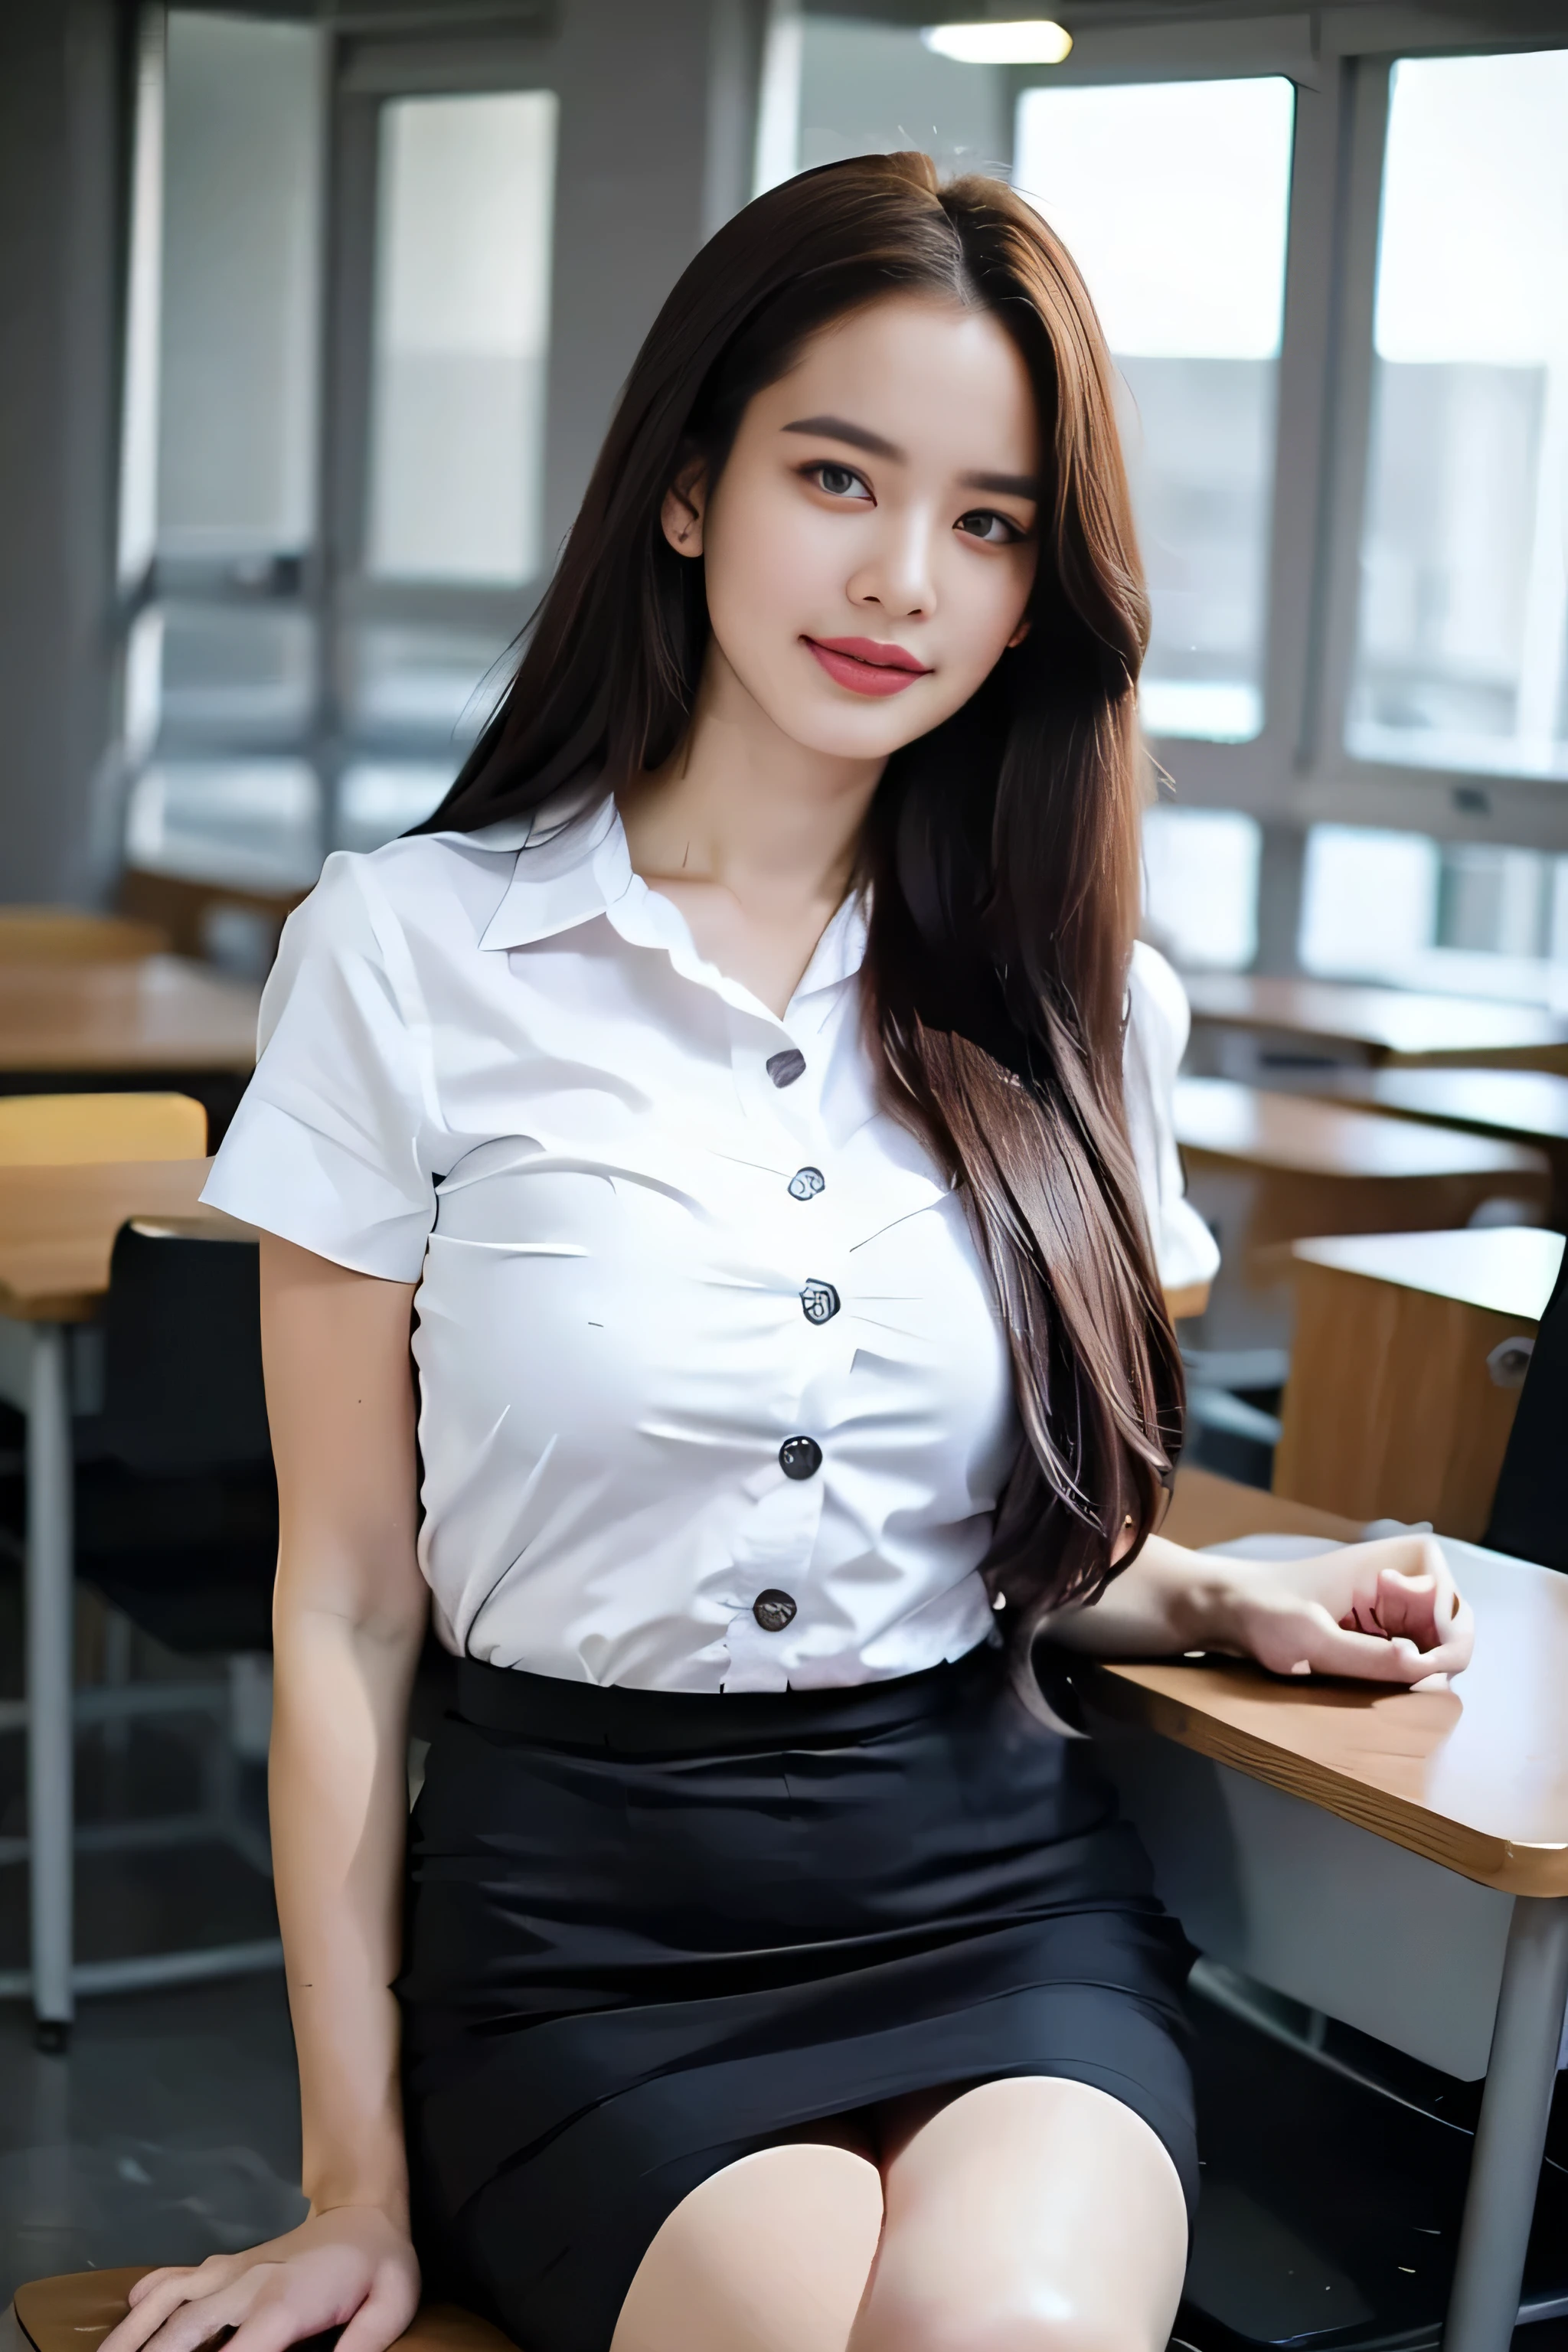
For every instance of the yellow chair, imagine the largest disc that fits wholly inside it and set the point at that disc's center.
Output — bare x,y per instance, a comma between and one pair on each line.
82,1130
73,2314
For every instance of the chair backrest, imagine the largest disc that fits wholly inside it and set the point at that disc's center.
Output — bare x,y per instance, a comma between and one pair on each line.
1528,1518
71,934
72,1130
182,1354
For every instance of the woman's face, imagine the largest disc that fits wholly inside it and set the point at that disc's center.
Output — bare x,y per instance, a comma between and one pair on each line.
870,545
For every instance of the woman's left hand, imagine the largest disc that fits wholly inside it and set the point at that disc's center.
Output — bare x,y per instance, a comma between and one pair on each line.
1385,1612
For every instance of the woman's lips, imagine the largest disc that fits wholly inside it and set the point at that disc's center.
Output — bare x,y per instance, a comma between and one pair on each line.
864,666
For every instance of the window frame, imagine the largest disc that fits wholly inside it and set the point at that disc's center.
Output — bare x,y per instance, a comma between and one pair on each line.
1298,771
327,584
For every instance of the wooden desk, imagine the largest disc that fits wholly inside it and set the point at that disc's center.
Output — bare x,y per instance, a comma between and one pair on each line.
1528,1107
56,935
190,910
1320,1167
157,1014
1396,1859
1382,1024
1419,1433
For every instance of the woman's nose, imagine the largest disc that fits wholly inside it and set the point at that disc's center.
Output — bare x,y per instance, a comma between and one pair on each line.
898,578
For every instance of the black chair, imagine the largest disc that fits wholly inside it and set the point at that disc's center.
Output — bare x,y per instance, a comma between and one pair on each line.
1528,1516
177,1505
176,1527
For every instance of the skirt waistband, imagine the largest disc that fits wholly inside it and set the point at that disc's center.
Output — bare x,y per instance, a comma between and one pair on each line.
655,1723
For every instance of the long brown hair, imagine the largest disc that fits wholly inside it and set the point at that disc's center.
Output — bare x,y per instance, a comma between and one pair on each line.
1001,848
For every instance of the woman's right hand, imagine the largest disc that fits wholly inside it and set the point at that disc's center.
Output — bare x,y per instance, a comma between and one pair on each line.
350,2267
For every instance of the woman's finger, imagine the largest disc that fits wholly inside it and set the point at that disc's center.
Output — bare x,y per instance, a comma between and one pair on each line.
163,2293
287,2317
199,2318
383,2316
1325,1648
1307,1641
152,2279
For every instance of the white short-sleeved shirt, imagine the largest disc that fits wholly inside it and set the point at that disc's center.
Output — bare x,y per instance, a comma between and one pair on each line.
1159,1021
697,1322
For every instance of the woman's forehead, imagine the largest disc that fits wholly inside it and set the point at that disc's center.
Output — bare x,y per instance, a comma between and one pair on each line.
929,379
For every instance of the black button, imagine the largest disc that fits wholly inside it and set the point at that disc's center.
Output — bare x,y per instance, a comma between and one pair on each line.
806,1183
785,1068
819,1302
800,1457
773,1611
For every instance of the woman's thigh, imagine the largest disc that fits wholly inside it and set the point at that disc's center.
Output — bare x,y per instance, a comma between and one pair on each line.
769,2254
1027,2215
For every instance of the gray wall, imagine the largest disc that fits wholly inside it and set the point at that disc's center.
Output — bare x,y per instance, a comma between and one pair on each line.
60,177
646,86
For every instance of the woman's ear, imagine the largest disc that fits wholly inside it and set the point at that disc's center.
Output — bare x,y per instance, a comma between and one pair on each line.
684,502
1019,634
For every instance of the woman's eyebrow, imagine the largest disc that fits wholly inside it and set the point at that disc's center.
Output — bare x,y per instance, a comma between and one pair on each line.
858,437
1007,486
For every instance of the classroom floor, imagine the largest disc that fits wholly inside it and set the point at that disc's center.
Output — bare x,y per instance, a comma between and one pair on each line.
171,2131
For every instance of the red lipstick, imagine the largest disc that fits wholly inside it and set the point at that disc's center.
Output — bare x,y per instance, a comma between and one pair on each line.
864,666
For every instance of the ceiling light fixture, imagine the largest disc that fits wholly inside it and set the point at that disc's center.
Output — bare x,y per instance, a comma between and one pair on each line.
1032,41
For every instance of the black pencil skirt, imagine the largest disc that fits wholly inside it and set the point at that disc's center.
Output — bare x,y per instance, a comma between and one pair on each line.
650,1934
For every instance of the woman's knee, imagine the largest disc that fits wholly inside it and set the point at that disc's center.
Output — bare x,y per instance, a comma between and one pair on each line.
1002,2323
771,2253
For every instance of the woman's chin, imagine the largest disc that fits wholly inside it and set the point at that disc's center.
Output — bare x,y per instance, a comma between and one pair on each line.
840,725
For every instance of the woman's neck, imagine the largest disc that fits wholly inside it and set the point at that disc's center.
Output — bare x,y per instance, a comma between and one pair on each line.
753,835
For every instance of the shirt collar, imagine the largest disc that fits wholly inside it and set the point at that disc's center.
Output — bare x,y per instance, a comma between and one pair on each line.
572,865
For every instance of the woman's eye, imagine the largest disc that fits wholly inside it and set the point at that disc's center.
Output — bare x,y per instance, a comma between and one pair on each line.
994,528
839,481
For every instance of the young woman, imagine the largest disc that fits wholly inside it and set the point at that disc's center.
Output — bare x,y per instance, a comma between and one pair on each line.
726,1081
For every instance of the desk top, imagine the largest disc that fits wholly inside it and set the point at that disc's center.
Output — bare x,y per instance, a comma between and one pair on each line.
1506,1270
1475,1777
1308,1138
159,1013
58,1227
72,935
1527,1106
1381,1021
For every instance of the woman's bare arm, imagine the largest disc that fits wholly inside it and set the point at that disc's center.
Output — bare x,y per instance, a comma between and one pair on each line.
349,1617
1383,1612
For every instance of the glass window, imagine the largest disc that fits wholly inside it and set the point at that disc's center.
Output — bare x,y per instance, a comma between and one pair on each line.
1464,917
1463,617
1174,199
380,799
1200,886
241,821
462,317
236,672
240,301
417,678
1369,899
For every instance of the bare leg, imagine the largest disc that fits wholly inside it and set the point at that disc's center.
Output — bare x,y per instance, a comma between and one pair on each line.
769,2255
1029,2215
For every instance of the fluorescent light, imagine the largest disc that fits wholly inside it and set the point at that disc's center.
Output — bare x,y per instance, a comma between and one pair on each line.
1032,41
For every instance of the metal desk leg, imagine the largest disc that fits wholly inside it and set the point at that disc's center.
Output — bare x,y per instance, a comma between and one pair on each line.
50,1619
1511,2134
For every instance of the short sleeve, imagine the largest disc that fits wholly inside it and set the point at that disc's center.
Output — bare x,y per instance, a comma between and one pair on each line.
334,1144
1157,1023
